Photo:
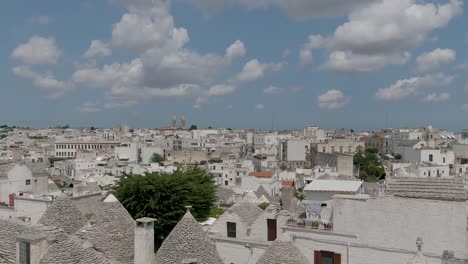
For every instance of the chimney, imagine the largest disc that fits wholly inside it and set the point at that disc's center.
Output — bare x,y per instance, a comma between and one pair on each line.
144,240
30,248
287,195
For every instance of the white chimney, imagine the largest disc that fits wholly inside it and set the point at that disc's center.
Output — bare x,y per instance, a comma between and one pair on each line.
144,240
30,248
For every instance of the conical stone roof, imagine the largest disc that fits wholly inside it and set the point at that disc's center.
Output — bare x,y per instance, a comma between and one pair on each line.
187,241
64,214
111,230
282,251
247,211
73,251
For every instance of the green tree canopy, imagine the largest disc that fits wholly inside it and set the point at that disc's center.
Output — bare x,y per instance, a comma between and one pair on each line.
193,127
164,197
370,167
157,158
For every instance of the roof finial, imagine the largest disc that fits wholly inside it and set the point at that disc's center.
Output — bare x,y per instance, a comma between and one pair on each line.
188,207
419,243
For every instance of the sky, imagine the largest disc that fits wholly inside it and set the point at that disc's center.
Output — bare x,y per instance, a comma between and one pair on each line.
360,64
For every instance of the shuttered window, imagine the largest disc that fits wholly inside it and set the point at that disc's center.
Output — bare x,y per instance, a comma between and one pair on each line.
326,257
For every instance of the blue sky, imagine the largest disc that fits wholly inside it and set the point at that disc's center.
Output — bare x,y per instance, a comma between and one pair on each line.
361,64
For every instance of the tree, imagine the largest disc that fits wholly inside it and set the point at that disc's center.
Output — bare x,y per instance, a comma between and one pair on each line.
193,127
157,158
398,156
164,197
283,166
370,167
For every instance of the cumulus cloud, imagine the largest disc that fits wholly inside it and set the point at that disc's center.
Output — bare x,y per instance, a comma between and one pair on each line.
436,98
259,107
254,70
235,51
89,107
97,49
429,61
45,81
278,90
347,61
333,99
146,27
38,51
384,32
221,89
413,86
273,90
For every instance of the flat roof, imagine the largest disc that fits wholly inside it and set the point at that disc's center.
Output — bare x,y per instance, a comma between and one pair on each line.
333,186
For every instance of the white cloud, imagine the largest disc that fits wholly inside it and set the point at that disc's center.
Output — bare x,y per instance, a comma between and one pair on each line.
286,54
254,70
235,51
333,99
38,50
429,61
97,49
89,107
278,90
164,66
383,33
293,8
410,87
259,107
347,61
273,90
305,54
45,81
221,89
305,57
465,107
436,98
146,27
42,20
200,101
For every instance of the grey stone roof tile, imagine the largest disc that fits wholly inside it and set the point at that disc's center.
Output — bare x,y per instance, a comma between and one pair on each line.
187,241
282,252
111,230
63,213
248,212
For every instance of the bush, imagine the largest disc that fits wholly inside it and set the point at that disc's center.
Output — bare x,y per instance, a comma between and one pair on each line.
263,206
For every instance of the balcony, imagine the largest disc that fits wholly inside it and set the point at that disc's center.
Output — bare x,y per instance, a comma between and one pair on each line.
310,223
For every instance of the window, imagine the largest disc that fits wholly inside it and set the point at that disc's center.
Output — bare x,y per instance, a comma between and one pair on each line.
443,160
24,253
326,257
28,182
431,157
231,229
